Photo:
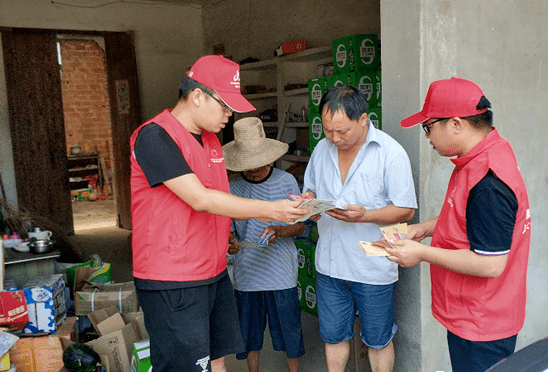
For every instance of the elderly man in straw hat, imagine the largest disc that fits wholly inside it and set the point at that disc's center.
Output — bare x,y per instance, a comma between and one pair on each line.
265,279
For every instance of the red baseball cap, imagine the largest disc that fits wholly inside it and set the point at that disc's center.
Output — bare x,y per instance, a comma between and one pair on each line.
449,98
223,76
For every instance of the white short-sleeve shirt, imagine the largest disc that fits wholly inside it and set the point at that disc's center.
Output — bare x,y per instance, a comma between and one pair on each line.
380,175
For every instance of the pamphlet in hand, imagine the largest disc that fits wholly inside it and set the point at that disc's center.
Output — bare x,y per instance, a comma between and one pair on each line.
316,205
393,232
372,250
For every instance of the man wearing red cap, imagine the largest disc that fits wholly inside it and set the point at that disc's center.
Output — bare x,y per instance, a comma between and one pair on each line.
480,240
181,208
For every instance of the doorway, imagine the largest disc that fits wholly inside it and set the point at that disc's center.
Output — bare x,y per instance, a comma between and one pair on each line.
37,123
88,130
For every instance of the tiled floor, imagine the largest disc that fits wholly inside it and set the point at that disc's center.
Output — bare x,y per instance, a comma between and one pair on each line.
96,233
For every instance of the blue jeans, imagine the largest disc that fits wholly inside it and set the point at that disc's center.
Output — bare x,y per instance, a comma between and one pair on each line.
338,301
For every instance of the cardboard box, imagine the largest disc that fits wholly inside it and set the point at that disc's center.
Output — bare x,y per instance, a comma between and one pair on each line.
375,115
7,340
356,53
311,261
100,296
68,329
315,129
338,80
5,364
108,325
13,309
378,80
139,326
46,305
140,357
301,259
316,90
116,346
366,81
81,194
37,354
308,299
358,360
116,340
108,320
309,249
96,274
289,47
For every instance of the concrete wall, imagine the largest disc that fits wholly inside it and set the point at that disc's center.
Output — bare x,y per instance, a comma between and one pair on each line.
168,39
501,47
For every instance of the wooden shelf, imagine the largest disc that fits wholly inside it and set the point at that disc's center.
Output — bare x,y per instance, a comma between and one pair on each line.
261,95
84,165
296,124
297,158
296,92
292,70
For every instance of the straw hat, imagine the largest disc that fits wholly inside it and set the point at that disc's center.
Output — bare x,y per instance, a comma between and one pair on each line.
250,148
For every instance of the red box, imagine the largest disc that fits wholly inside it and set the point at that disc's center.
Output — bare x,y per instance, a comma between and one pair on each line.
291,47
13,309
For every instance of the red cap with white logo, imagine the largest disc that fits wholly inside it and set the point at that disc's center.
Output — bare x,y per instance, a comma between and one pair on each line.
223,76
455,97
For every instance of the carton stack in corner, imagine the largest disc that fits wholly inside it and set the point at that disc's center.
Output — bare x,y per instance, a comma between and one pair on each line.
356,61
115,329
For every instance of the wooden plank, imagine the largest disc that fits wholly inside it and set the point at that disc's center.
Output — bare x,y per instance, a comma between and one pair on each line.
106,176
125,112
37,126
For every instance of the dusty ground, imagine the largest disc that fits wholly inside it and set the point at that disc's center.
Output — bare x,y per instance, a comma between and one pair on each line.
96,233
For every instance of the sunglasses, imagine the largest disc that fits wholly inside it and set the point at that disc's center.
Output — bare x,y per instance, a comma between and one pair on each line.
426,126
223,105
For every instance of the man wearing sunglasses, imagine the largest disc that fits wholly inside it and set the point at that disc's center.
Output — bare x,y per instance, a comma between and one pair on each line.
480,240
181,208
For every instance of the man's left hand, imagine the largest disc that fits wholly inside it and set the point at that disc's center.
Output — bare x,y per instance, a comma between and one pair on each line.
352,213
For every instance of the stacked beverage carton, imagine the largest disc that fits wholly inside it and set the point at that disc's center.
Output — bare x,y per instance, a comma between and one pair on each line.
356,61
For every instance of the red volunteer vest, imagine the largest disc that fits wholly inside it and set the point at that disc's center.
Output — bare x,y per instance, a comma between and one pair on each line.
474,308
171,241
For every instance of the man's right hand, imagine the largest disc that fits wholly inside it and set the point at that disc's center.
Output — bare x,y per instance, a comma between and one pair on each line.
285,211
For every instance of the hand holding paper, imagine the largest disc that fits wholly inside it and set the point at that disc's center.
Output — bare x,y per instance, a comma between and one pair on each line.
390,233
316,205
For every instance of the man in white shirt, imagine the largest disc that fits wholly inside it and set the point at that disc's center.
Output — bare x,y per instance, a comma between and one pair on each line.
367,175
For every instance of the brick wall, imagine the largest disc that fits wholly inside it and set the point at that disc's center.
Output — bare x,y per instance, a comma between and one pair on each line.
85,97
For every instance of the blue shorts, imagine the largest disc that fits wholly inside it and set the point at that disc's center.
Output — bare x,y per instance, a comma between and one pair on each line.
338,301
284,321
474,356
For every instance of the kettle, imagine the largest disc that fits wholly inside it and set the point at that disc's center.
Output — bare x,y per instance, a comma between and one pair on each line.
40,234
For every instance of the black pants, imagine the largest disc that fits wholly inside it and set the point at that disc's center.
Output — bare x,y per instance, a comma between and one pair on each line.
190,327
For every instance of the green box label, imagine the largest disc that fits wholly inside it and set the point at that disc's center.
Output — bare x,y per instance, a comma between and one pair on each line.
315,130
375,116
316,90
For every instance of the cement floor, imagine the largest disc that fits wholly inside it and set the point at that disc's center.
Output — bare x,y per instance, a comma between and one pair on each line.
96,233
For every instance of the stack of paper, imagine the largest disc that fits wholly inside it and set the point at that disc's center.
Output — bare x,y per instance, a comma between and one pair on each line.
316,205
390,233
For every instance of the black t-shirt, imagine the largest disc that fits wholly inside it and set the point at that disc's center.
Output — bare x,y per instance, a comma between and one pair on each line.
159,156
491,216
161,159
